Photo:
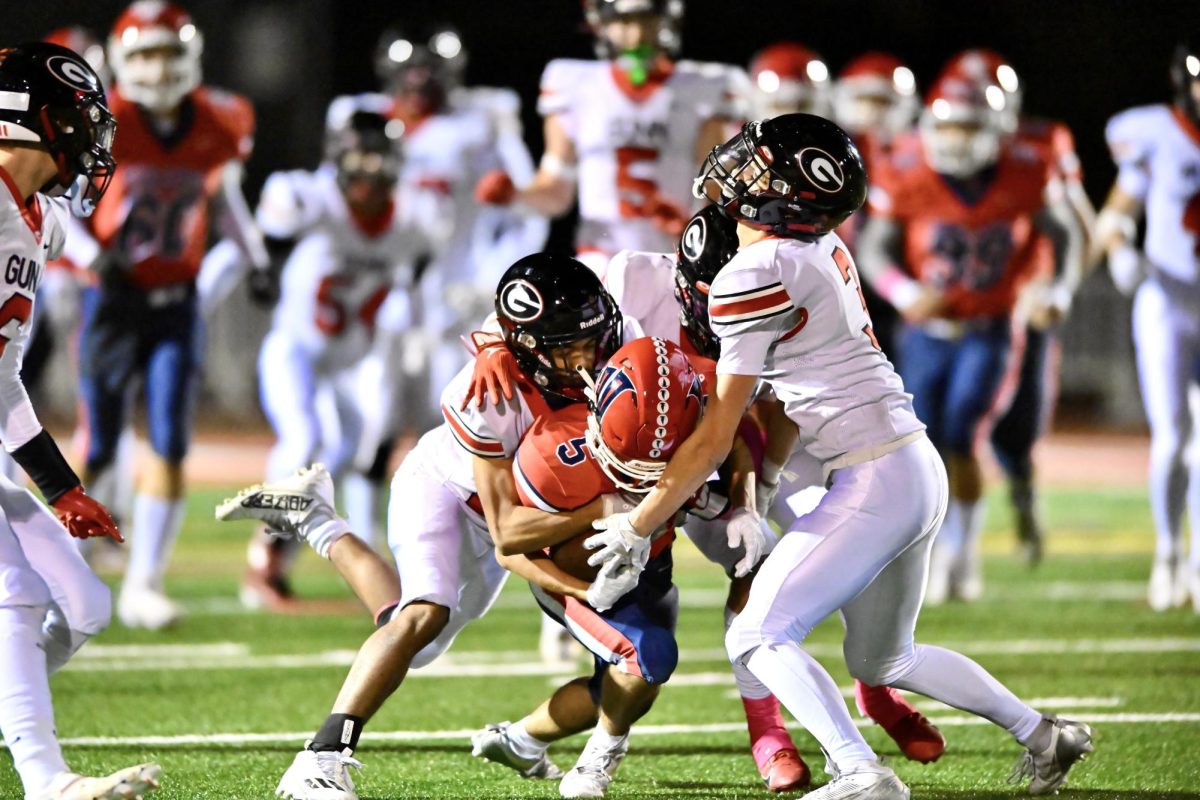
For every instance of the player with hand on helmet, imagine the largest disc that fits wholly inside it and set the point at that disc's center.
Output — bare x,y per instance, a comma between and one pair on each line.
355,247
1155,148
454,492
788,312
1045,302
955,223
644,403
623,132
56,137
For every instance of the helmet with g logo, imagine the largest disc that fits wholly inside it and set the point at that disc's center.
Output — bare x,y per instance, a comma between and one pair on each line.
707,244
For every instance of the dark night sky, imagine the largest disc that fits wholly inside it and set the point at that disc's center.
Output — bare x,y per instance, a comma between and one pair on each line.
1081,60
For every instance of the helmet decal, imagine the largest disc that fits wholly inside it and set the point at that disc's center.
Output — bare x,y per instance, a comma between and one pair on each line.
522,301
821,169
692,241
73,73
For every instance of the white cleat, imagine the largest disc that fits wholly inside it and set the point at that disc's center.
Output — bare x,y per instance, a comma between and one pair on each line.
319,776
492,744
1183,580
867,780
593,772
147,607
131,783
298,505
1161,591
1069,743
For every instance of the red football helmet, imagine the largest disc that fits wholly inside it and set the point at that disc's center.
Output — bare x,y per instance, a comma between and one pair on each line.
646,402
876,93
989,68
158,83
787,78
960,126
82,41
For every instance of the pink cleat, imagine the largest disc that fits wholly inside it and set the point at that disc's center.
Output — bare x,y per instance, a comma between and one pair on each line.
918,738
779,763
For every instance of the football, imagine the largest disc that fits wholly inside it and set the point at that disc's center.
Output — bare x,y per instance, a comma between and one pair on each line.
571,557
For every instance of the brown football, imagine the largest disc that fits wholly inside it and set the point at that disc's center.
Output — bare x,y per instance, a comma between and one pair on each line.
571,557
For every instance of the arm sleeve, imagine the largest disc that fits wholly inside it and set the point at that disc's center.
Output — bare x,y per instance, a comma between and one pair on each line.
748,309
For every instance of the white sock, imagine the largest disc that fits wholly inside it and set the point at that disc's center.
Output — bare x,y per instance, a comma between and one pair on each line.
26,711
748,686
807,691
958,681
524,743
970,515
604,741
156,523
360,499
950,536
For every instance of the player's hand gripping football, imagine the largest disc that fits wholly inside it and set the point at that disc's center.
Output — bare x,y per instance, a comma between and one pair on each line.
493,375
616,579
746,529
618,540
84,517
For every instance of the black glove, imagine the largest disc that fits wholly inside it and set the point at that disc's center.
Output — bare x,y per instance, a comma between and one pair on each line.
112,267
264,287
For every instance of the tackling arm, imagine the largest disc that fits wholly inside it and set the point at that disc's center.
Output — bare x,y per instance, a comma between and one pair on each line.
538,569
515,528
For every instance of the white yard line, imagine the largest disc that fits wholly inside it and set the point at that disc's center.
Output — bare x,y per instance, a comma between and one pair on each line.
638,730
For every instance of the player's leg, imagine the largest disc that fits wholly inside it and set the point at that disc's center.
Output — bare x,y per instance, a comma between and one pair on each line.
1015,434
573,708
873,512
170,369
361,495
880,650
1164,362
775,754
971,392
1191,581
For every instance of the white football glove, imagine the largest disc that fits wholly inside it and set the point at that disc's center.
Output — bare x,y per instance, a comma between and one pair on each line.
1127,267
615,580
617,539
764,496
746,529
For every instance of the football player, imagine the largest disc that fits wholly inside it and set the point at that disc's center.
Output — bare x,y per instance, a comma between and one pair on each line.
786,78
355,245
645,402
56,133
623,133
1157,152
182,147
554,316
1044,304
788,311
949,243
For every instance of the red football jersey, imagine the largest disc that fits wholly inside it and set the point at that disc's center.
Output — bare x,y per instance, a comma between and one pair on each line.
156,209
554,469
979,254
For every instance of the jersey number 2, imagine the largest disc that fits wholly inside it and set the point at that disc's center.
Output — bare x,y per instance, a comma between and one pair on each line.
850,275
19,308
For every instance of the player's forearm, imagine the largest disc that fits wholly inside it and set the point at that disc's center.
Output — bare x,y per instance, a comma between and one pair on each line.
523,530
548,194
878,258
544,573
738,471
782,435
1059,224
689,467
235,220
1116,225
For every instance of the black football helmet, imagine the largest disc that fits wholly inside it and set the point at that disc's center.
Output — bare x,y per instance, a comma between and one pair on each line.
545,302
55,99
708,242
364,145
426,63
1185,78
798,176
597,13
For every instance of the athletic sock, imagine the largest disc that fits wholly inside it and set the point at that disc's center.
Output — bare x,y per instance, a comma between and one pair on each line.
525,744
604,741
339,732
360,499
26,710
156,524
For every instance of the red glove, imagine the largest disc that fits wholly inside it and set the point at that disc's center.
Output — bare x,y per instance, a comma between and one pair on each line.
667,216
495,371
84,517
495,188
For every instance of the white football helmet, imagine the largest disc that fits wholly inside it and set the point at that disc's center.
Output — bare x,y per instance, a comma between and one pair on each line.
960,127
157,83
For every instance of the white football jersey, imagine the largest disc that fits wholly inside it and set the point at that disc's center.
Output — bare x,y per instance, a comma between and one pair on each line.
30,236
792,313
338,275
633,148
1157,150
643,287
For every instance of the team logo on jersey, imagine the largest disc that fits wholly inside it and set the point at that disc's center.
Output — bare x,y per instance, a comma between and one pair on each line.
821,169
521,301
694,236
73,73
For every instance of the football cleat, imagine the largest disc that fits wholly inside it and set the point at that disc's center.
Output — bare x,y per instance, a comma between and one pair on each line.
1069,743
918,738
1161,591
593,772
131,783
785,771
298,505
140,606
319,776
492,744
867,780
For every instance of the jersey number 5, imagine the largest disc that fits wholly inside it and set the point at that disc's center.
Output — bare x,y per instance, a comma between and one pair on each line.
635,196
850,275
